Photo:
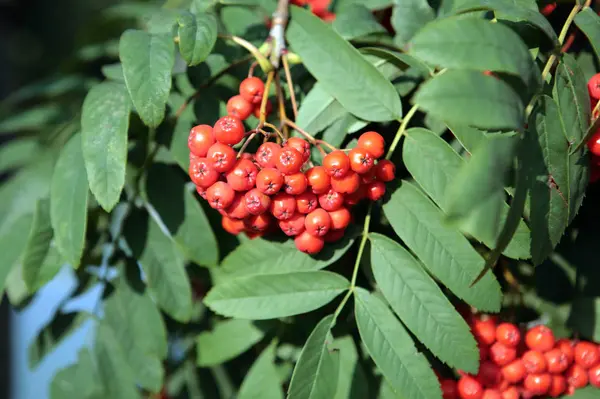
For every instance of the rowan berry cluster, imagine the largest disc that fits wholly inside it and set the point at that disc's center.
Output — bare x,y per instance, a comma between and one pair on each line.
533,364
277,186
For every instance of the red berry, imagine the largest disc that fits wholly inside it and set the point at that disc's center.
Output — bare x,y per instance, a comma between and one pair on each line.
239,107
299,145
508,334
361,160
289,161
243,175
594,376
385,171
292,226
490,375
540,338
372,142
548,9
258,223
252,90
336,163
534,362
202,173
268,109
484,330
594,86
538,384
514,371
201,191
295,184
484,352
306,202
266,154
334,235
232,226
237,209
283,206
229,130
491,394
220,195
556,361
256,201
331,200
558,386
308,243
469,388
586,354
200,139
502,354
355,197
340,219
222,157
318,179
269,181
318,222
369,176
576,376
375,190
568,348
346,184
511,393
594,143
449,389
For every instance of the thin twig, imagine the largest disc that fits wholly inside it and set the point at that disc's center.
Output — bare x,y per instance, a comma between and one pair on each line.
297,128
262,60
281,107
401,130
290,84
265,98
280,17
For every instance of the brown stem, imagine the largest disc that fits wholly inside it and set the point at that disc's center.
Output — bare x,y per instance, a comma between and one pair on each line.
245,145
290,83
263,104
326,144
297,128
281,106
280,17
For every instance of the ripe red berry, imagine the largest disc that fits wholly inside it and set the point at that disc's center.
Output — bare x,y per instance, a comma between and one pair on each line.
594,143
292,226
556,361
576,376
340,219
266,154
288,161
568,348
594,86
200,139
252,89
502,354
336,164
534,362
269,181
318,179
333,235
508,334
491,394
239,107
540,338
258,223
201,191
369,176
331,200
295,184
469,388
372,142
243,175
318,222
361,160
222,157
202,173
237,209
232,226
514,371
484,330
558,386
283,206
489,375
548,9
594,376
229,130
511,393
299,145
308,243
586,354
220,195
449,388
306,202
385,171
375,190
355,197
538,384
268,109
256,201
346,184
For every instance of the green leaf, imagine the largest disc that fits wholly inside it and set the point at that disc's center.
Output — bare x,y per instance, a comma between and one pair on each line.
227,340
68,201
471,98
340,5
36,278
352,381
341,69
392,349
163,266
260,256
430,316
31,119
400,59
140,331
471,43
197,36
589,23
571,95
316,372
262,380
78,380
446,253
114,72
113,370
262,297
356,21
408,17
318,110
182,214
147,63
38,243
18,152
104,125
13,241
589,392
